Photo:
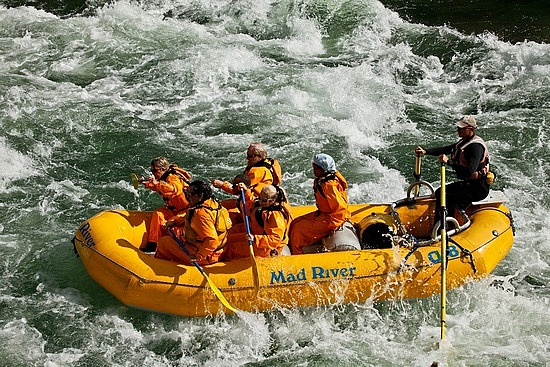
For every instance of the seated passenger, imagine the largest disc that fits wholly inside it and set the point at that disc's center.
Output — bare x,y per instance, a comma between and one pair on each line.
331,199
269,218
205,226
260,169
170,182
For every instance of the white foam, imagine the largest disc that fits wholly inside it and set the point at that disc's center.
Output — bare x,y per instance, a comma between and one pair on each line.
21,343
13,165
307,39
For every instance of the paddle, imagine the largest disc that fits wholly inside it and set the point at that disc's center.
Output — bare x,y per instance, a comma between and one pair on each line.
417,173
443,232
250,245
136,180
215,289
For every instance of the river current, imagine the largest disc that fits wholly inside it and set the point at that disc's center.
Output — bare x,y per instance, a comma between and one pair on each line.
88,97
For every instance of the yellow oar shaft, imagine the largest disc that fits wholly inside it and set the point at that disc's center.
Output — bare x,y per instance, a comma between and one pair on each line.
443,251
417,173
215,289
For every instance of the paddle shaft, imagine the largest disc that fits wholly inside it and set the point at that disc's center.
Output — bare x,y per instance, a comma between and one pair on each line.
215,289
250,244
417,173
443,216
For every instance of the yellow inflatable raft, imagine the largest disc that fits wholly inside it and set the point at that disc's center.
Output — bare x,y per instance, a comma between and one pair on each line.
399,258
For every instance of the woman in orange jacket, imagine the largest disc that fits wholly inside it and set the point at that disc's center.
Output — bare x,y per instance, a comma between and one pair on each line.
269,217
206,223
260,169
332,206
170,182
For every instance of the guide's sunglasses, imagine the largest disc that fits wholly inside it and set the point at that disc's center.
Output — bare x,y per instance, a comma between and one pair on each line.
251,155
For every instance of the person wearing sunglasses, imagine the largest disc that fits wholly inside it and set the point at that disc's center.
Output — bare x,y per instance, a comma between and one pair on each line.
269,217
205,225
469,158
331,199
260,169
170,182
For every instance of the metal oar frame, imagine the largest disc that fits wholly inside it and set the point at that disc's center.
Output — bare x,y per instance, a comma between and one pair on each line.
413,243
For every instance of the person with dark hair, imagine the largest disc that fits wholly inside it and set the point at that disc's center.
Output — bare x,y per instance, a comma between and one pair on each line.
170,182
205,226
331,199
469,158
269,218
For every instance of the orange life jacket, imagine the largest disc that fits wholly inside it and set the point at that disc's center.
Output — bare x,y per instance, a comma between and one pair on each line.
176,201
318,188
178,171
336,207
222,222
273,165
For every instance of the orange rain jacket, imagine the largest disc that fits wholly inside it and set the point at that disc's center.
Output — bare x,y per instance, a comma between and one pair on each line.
332,212
205,235
331,198
269,226
171,187
259,175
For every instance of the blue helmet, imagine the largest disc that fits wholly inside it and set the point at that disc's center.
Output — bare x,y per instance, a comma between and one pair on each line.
325,162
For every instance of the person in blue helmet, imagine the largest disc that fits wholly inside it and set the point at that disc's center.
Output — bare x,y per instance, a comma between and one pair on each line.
331,199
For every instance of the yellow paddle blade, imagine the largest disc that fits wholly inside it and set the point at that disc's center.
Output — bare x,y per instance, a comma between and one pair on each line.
135,180
219,294
215,289
255,270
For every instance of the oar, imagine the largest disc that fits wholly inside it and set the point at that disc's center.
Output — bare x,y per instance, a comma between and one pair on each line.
250,245
417,173
135,180
443,232
215,289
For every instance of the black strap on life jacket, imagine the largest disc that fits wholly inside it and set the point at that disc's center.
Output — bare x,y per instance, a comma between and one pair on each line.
173,171
317,186
258,214
267,163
